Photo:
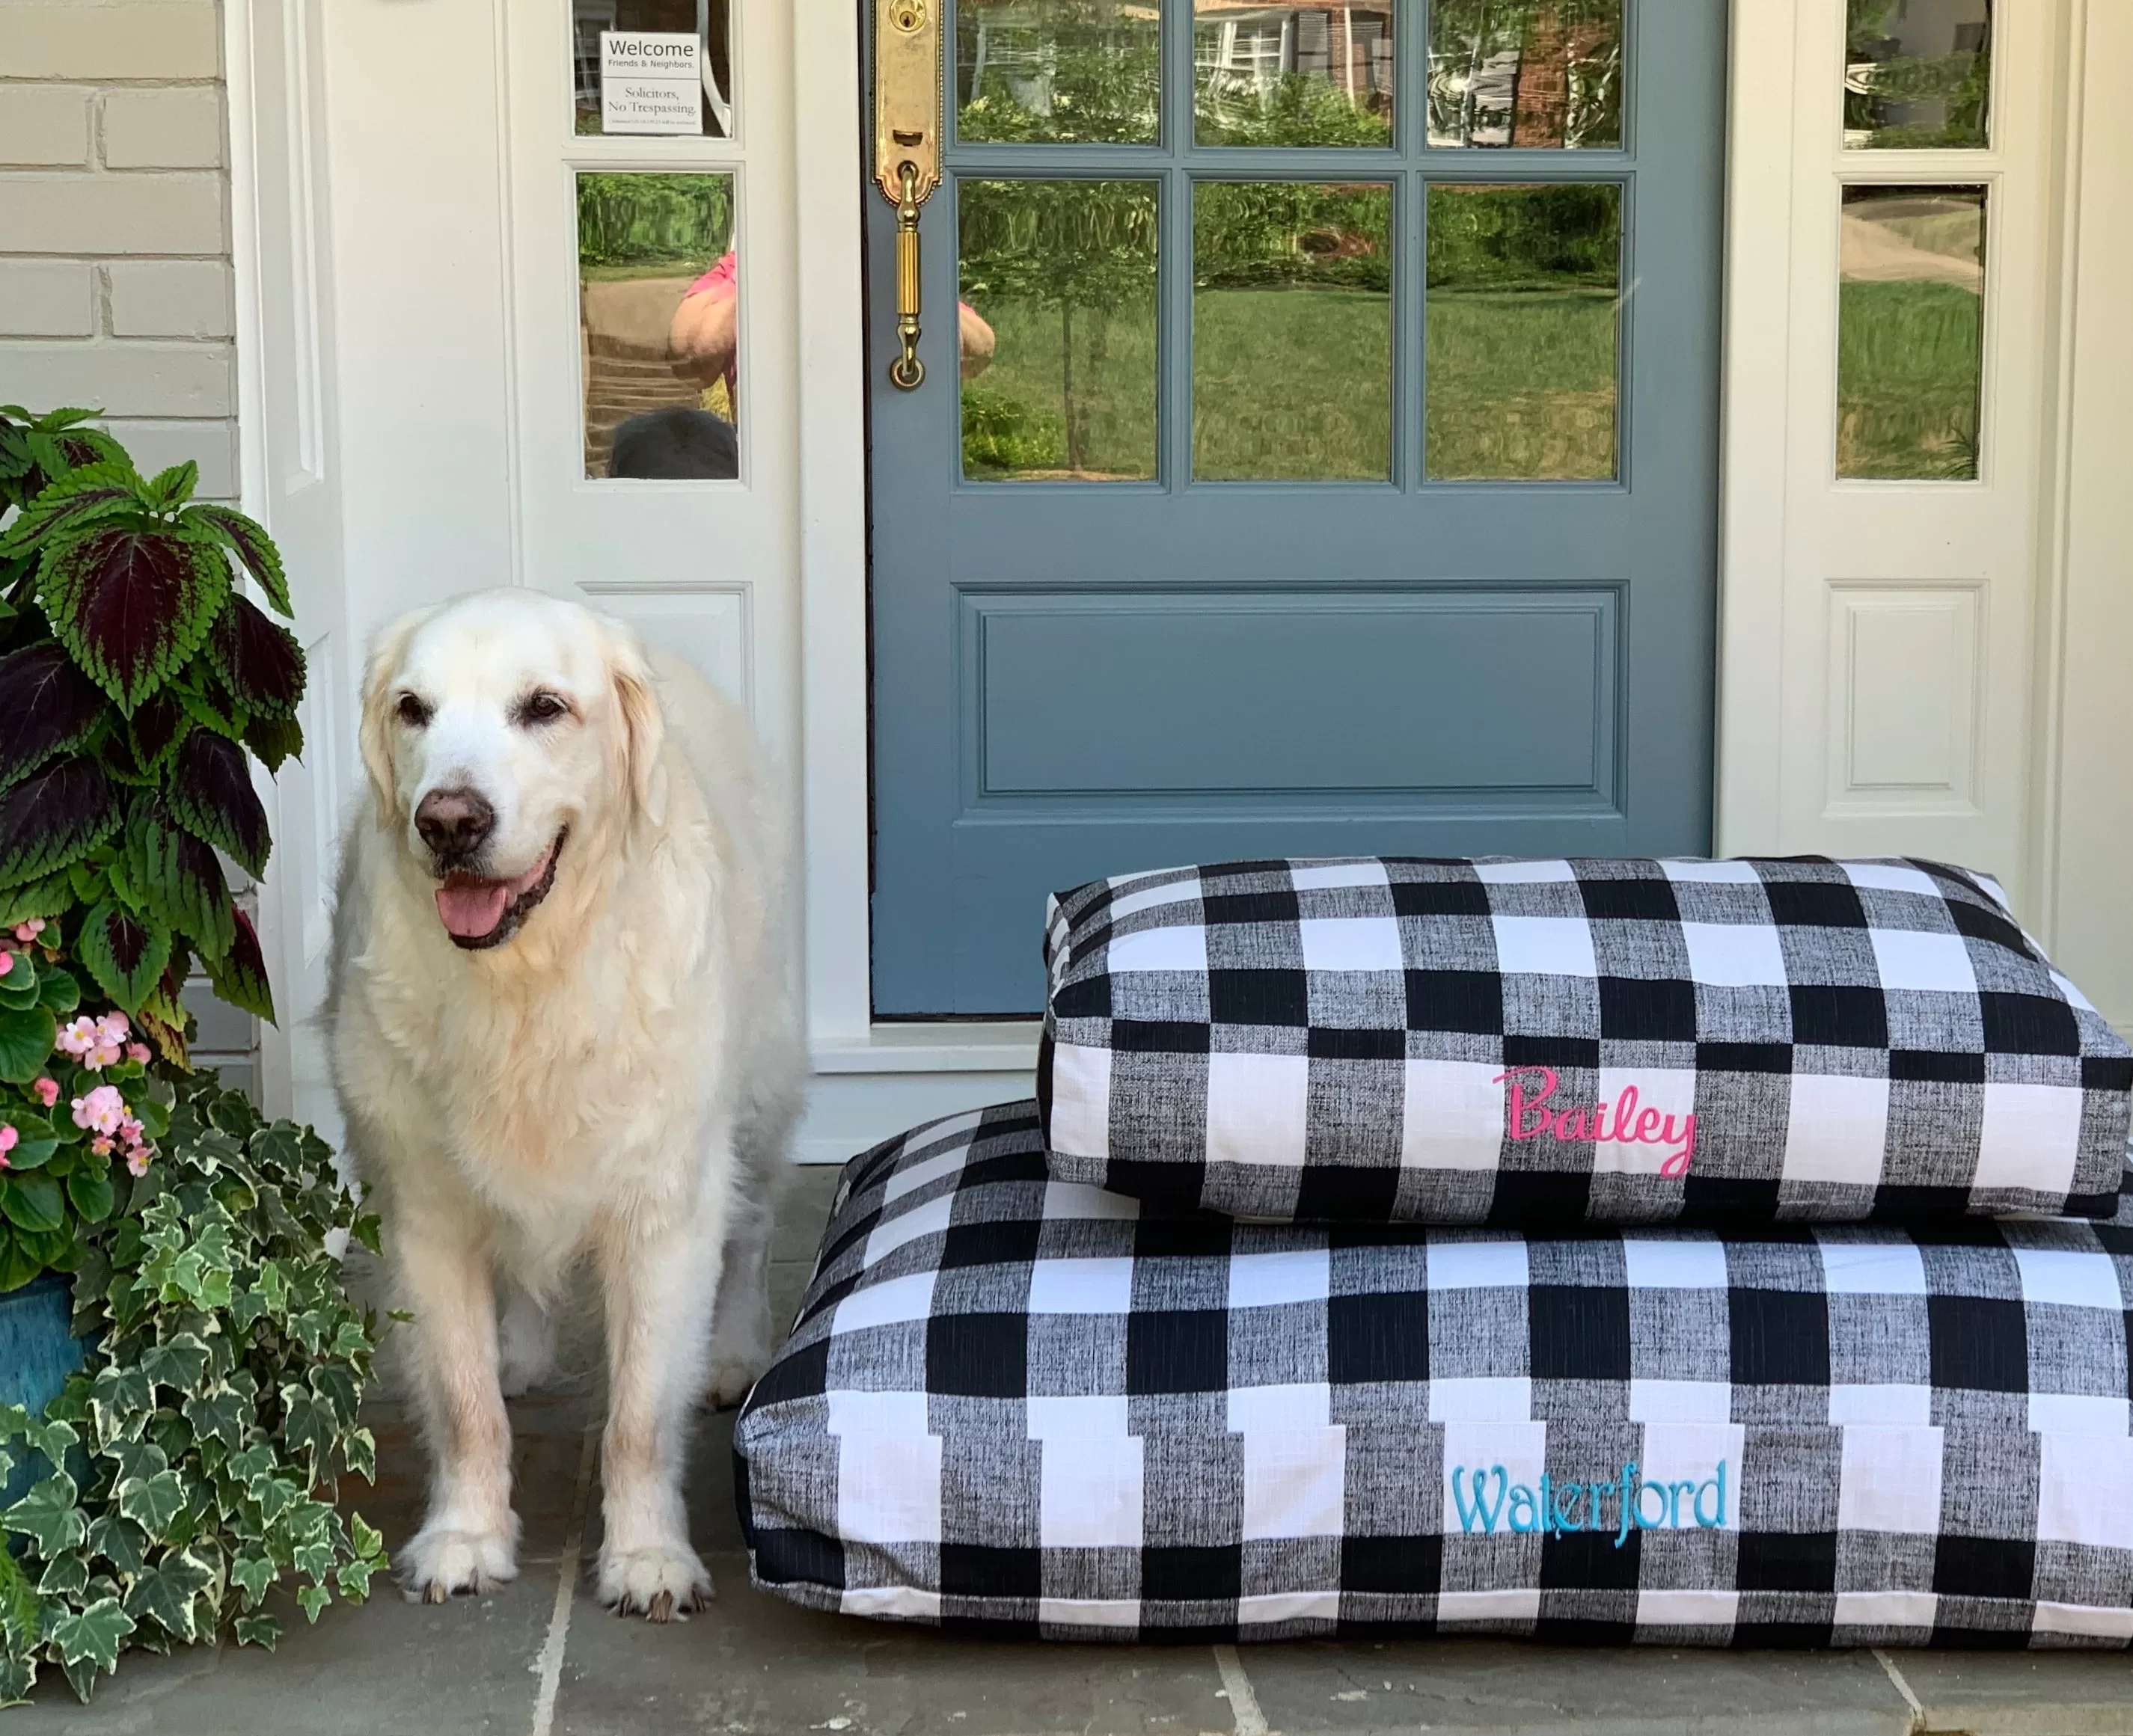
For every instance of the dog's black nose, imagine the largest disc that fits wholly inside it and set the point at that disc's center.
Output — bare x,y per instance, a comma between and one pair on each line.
454,822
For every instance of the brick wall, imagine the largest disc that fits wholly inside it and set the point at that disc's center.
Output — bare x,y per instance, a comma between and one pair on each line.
114,253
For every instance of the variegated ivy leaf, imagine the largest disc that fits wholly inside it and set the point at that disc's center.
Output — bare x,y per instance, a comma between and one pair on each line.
65,1577
253,1463
125,953
259,662
166,1593
118,1542
120,1401
212,797
311,1599
48,1516
253,1574
252,546
51,707
353,1580
94,1634
54,817
219,1415
308,1422
359,1452
151,1503
315,1558
258,1630
131,602
180,1362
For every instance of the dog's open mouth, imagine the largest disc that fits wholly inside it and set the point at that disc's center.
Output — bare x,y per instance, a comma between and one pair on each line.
479,913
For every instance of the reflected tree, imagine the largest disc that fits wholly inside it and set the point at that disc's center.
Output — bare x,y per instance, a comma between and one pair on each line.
1898,102
1535,73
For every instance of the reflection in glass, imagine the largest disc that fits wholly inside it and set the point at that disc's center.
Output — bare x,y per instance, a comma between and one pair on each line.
1520,332
1058,71
1292,331
642,92
1910,332
1917,73
1530,74
1291,75
658,315
1058,329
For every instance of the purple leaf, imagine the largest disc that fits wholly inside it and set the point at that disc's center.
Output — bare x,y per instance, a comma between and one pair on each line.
212,795
176,879
239,975
55,817
131,604
259,661
125,954
47,707
156,725
247,540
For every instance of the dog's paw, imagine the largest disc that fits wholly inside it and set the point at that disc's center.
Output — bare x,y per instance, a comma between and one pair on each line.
660,1582
731,1377
437,1563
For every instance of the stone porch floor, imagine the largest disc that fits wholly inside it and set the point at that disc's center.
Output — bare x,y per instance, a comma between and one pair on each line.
541,1657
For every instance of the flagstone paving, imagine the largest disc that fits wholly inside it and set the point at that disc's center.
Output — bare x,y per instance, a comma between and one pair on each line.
541,1657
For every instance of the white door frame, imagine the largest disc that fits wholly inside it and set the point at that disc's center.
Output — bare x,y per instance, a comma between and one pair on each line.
463,506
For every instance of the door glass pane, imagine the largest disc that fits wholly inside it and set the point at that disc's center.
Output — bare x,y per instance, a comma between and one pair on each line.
1292,331
1057,330
653,66
1058,71
1917,74
658,324
1531,74
1910,332
1291,75
1520,332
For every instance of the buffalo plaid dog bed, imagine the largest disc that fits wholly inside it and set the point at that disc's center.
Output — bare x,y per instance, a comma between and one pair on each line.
1610,1042
1025,1404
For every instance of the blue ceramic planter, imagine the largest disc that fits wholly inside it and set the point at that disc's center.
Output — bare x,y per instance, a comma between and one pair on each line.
37,1352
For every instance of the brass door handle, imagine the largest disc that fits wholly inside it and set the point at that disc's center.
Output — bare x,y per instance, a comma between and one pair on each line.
906,152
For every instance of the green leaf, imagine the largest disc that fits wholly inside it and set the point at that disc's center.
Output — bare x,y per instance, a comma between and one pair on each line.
313,1599
244,538
275,739
57,991
90,1191
174,487
17,1264
94,1634
125,954
33,1154
353,1579
131,603
64,508
151,1503
359,1452
32,1202
179,881
50,897
27,1037
258,1630
48,1516
55,817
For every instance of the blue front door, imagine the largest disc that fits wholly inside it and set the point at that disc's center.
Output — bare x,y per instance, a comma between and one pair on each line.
1333,465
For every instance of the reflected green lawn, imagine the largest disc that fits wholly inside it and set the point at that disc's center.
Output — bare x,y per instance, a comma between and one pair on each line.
1293,384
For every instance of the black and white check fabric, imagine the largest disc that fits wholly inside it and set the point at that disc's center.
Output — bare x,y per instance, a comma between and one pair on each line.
1612,1042
1019,1404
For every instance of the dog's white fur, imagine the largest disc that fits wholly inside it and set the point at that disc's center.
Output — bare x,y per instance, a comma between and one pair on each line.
617,1079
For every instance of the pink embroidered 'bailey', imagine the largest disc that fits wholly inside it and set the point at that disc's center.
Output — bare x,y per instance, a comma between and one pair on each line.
1630,1126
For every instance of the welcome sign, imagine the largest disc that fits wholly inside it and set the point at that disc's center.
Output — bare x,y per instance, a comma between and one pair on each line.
652,81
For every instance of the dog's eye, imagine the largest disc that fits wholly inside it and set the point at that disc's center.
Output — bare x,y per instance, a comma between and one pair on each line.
413,712
542,707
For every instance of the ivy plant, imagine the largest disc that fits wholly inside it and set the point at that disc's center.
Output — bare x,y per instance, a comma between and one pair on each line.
193,1464
136,677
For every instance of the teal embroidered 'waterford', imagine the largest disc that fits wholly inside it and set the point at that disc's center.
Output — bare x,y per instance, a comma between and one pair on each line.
1562,1507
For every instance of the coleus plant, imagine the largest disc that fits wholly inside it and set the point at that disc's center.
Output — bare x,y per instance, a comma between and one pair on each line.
135,674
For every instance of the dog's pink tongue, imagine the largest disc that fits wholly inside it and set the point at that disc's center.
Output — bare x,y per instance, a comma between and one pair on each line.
472,908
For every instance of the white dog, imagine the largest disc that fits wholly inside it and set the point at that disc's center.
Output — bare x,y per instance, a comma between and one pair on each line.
561,1026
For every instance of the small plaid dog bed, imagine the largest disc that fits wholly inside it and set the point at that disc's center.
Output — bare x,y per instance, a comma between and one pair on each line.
1612,1042
1023,1405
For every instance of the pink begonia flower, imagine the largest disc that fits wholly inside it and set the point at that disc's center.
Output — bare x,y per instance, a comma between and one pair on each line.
102,1146
137,1160
101,1110
137,1052
9,1138
79,1036
7,963
131,1131
115,1027
28,931
47,1089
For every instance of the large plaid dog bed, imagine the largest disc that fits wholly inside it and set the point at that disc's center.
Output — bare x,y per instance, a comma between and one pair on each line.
1022,1404
1610,1042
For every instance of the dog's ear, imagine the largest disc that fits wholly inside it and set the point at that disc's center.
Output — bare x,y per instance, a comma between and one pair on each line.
644,724
373,735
